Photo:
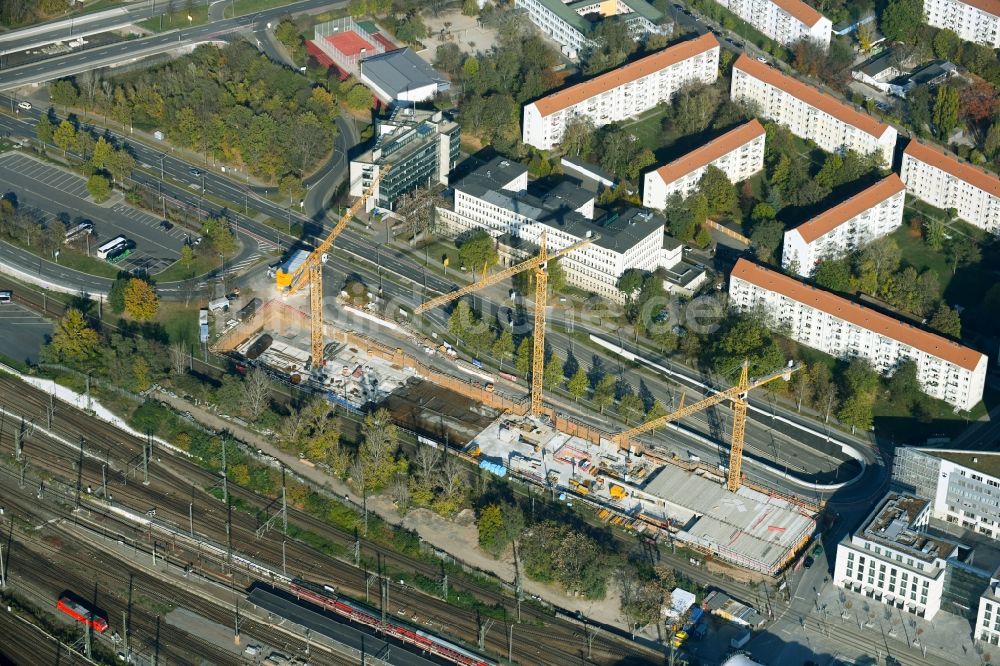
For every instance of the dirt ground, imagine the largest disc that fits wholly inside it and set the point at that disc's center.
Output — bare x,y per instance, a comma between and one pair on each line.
462,30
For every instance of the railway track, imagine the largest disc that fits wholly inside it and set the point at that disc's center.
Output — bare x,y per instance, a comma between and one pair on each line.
22,642
177,491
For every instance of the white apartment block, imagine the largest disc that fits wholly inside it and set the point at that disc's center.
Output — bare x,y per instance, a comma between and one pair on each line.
739,153
568,23
972,20
870,214
808,113
893,560
496,198
622,93
987,626
844,329
784,21
944,181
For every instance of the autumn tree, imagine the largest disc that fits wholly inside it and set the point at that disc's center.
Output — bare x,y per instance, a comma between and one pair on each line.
492,536
98,187
553,372
140,300
380,441
503,347
73,340
64,136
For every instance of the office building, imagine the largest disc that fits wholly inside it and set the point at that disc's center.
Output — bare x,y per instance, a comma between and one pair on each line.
837,326
571,23
422,148
870,214
833,125
784,21
944,181
739,153
622,93
498,198
893,559
972,20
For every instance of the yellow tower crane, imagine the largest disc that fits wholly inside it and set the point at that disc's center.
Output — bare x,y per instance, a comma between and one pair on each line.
311,271
738,395
541,282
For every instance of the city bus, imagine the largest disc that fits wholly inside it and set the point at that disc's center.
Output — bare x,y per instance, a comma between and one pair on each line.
85,227
105,249
120,252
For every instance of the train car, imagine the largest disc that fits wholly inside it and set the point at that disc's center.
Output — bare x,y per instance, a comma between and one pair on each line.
324,596
509,377
82,613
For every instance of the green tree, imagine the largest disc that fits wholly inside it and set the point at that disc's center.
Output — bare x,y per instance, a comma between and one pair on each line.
766,238
744,338
187,255
380,441
991,146
934,231
604,392
720,193
857,411
962,252
98,187
358,97
120,164
834,274
904,387
141,301
553,372
524,354
63,93
220,237
655,411
629,283
630,407
503,347
557,276
477,251
116,295
492,535
64,136
947,320
470,8
101,153
946,44
901,18
73,340
578,136
44,129
578,384
945,114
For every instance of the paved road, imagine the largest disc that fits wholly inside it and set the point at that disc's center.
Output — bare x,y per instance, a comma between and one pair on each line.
74,63
23,332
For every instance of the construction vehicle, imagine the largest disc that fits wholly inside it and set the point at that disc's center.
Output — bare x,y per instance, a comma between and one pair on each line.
310,270
538,264
738,395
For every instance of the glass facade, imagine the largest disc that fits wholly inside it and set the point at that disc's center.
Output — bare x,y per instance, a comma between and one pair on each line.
416,158
916,473
963,585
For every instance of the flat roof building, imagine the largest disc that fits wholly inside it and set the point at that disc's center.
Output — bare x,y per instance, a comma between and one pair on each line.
810,114
739,153
401,76
944,181
784,21
622,93
851,224
422,147
837,326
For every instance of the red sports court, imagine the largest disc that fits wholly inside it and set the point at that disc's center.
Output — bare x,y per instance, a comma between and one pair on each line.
350,43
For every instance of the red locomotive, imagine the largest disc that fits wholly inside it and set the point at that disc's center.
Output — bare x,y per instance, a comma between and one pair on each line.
81,613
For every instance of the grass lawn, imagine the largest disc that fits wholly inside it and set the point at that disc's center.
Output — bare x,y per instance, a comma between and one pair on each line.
244,7
179,321
895,421
648,130
78,261
203,263
177,20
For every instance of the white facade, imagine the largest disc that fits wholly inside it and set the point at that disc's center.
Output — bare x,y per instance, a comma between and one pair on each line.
784,21
891,559
739,153
622,93
633,240
808,113
974,20
844,329
871,214
987,627
564,22
945,182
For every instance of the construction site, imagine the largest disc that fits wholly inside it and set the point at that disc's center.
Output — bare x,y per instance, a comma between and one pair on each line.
510,432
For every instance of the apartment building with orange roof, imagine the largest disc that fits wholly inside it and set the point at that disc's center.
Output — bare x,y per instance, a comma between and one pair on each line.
622,93
833,125
739,153
944,181
844,329
872,213
972,20
784,21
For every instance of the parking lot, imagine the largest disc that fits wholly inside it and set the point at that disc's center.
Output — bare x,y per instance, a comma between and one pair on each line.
23,332
60,195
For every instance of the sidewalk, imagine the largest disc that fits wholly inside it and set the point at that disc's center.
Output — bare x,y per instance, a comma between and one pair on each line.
459,538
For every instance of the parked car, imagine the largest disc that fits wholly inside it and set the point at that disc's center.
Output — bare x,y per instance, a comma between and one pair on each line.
26,105
166,225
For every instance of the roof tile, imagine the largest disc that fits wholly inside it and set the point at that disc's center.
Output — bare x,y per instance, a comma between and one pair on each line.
633,71
711,151
832,218
811,96
866,318
799,11
937,158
